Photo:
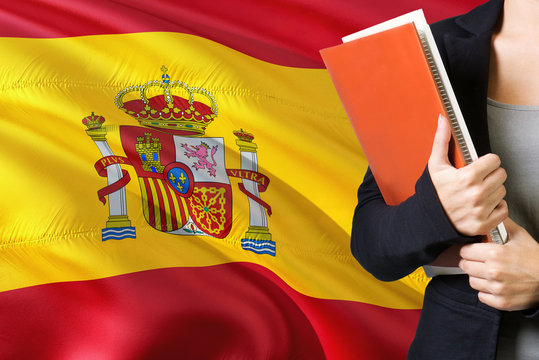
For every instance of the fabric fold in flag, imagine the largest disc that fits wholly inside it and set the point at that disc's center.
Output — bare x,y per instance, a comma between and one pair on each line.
148,315
288,33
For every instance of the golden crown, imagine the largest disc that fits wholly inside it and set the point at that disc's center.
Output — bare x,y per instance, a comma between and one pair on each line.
243,135
93,121
158,105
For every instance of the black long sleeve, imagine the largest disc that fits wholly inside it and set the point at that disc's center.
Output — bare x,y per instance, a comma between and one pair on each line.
392,241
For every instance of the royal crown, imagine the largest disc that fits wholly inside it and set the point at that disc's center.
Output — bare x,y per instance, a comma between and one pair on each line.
243,135
158,104
93,121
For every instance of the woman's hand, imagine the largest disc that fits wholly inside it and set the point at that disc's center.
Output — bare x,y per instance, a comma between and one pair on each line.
471,196
506,276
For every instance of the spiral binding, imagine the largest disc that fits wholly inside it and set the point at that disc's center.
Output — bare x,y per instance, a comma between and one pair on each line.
495,233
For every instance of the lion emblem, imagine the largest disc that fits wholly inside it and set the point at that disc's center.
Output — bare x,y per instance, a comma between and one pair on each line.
201,153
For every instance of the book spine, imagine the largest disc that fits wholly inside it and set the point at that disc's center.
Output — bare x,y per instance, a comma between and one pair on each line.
495,233
447,103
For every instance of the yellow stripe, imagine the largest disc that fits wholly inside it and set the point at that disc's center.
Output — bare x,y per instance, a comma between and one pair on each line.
145,209
166,205
156,211
179,220
50,229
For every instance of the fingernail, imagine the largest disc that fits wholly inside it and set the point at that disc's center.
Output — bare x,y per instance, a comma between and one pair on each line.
441,117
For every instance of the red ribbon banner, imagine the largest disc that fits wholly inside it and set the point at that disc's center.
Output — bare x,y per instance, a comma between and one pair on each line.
262,180
101,167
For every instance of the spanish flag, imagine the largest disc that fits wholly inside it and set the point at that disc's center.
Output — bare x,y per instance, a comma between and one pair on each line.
178,181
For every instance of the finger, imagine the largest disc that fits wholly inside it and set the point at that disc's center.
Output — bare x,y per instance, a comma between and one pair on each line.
474,268
488,299
489,204
481,284
476,252
499,302
496,196
495,179
498,215
440,146
485,165
494,203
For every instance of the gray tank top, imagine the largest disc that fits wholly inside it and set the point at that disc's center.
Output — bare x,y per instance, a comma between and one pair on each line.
514,136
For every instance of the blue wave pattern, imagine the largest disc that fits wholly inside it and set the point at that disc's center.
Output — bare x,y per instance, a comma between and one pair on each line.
259,246
118,233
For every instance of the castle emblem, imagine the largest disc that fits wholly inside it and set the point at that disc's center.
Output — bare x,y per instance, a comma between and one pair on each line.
184,183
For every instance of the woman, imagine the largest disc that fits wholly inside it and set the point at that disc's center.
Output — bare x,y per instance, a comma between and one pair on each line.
492,311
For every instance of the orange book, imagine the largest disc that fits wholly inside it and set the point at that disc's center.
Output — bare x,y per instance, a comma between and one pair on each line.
393,86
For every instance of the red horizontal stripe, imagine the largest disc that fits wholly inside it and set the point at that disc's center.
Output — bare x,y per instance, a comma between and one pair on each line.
285,32
236,310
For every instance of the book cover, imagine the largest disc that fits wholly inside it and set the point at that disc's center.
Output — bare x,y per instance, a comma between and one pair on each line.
393,86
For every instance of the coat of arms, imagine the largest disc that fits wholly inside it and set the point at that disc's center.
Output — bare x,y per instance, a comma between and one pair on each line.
183,180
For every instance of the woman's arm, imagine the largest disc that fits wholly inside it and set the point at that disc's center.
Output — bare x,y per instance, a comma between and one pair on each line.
392,241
